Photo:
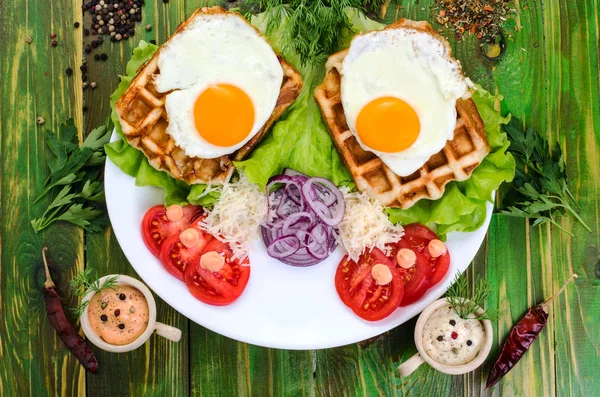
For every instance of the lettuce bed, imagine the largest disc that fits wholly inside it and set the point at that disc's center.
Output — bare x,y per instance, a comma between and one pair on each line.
300,140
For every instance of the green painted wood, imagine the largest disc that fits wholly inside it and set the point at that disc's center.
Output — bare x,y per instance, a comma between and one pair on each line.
549,79
34,360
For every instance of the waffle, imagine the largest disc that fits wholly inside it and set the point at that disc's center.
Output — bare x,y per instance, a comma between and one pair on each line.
456,161
144,121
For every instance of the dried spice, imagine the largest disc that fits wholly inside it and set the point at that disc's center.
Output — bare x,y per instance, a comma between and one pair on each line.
521,337
482,18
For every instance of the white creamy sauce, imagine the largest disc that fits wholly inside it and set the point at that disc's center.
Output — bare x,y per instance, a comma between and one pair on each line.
448,339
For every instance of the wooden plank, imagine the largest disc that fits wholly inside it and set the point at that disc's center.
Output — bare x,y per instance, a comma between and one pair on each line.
572,61
160,367
34,360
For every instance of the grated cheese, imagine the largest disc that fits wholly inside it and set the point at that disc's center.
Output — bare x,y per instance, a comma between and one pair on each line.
236,217
365,225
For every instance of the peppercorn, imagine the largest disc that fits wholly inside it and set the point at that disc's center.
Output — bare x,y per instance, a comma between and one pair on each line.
121,296
96,57
121,326
28,40
85,108
153,42
118,37
104,317
52,35
440,338
452,323
117,313
83,68
165,1
148,27
103,305
469,343
76,25
103,57
84,77
54,43
132,309
40,120
85,84
88,49
93,85
69,71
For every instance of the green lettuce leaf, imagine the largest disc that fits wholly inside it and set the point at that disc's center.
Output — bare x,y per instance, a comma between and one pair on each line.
462,207
300,139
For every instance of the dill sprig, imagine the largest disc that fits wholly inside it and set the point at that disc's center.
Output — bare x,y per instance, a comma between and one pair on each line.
313,27
465,303
81,285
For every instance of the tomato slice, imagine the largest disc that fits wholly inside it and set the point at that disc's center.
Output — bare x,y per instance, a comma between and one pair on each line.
359,291
156,227
427,271
222,287
176,257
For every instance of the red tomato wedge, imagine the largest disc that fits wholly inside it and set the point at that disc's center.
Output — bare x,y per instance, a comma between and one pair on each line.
176,257
156,227
359,291
221,287
427,271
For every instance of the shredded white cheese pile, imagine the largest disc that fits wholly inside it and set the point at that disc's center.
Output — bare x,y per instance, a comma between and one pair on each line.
365,225
237,215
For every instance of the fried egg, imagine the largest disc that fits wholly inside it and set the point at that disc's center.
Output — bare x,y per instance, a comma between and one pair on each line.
399,90
223,80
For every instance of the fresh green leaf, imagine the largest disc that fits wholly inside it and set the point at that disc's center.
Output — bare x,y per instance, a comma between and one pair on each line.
81,285
465,302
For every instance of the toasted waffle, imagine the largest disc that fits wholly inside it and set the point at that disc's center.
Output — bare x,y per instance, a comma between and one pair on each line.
144,121
456,161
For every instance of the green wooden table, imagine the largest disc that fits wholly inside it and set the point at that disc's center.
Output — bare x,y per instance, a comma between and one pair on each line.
549,77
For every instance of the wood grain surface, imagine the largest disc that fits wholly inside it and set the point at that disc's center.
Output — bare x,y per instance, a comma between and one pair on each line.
549,78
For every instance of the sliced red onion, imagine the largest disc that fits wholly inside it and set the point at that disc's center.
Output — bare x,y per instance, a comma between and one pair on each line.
303,213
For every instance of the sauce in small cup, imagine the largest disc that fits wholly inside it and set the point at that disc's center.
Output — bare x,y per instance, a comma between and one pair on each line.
449,343
123,318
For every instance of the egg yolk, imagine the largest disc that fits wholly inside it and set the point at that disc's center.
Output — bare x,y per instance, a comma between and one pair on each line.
388,125
223,115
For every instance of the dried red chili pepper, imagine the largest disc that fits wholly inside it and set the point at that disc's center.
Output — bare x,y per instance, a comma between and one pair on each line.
521,337
65,330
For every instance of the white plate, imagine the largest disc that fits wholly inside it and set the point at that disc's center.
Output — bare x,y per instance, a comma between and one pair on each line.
283,306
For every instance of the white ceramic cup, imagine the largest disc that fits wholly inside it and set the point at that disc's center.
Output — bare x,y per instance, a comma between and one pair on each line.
410,365
161,329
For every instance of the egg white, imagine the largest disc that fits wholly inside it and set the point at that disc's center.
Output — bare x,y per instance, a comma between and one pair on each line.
415,67
215,49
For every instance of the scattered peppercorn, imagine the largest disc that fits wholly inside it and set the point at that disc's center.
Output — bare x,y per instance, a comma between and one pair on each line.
40,120
96,57
117,313
54,43
121,326
469,343
85,108
103,305
52,35
132,309
93,85
103,317
153,42
103,56
69,71
148,27
84,85
76,25
454,335
28,40
452,323
121,296
440,338
83,68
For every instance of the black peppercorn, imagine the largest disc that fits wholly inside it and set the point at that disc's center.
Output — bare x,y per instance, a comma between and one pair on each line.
121,326
88,49
84,77
440,338
69,71
452,323
103,57
76,25
54,43
103,317
153,42
85,108
117,313
469,343
83,68
96,57
122,297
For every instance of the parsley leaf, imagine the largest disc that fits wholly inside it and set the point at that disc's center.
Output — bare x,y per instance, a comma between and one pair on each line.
540,190
77,171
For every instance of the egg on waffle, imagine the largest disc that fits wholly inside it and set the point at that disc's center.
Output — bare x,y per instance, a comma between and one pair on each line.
207,97
396,105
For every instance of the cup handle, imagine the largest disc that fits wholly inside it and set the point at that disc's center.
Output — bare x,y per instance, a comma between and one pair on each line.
410,365
166,331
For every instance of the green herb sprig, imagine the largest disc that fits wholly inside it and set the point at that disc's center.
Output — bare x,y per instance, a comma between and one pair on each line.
313,26
540,190
465,303
75,179
81,285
